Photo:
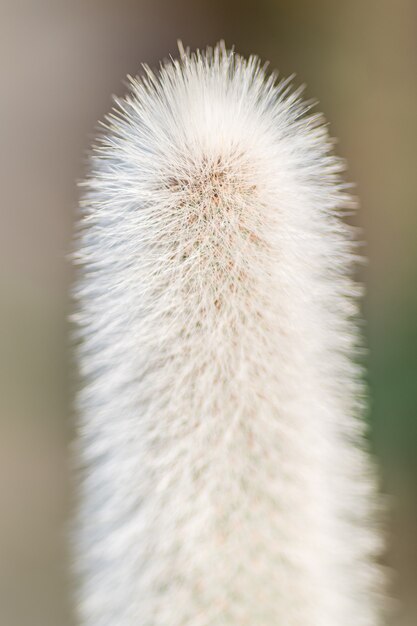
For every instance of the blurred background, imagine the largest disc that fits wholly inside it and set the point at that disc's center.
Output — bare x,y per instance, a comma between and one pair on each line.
60,62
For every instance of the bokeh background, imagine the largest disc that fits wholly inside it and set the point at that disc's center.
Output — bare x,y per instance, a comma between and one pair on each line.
60,62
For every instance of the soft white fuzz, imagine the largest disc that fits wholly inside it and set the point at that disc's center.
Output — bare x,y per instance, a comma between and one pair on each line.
224,482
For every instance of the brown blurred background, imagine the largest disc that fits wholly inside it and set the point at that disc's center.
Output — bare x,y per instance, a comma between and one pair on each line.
60,62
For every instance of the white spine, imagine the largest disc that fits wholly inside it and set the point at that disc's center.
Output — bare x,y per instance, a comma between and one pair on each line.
224,480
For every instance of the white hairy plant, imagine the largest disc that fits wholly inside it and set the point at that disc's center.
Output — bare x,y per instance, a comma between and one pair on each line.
224,477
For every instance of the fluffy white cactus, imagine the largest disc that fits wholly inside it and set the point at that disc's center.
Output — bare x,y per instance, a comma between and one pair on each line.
224,479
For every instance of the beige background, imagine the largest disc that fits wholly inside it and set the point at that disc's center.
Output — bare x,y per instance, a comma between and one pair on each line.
60,62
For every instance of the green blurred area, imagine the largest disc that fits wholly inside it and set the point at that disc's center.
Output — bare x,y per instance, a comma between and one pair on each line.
60,62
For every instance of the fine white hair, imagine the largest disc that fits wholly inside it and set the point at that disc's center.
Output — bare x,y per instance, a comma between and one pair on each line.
224,476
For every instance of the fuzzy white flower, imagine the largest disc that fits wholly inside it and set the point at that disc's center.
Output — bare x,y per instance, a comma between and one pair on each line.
225,482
